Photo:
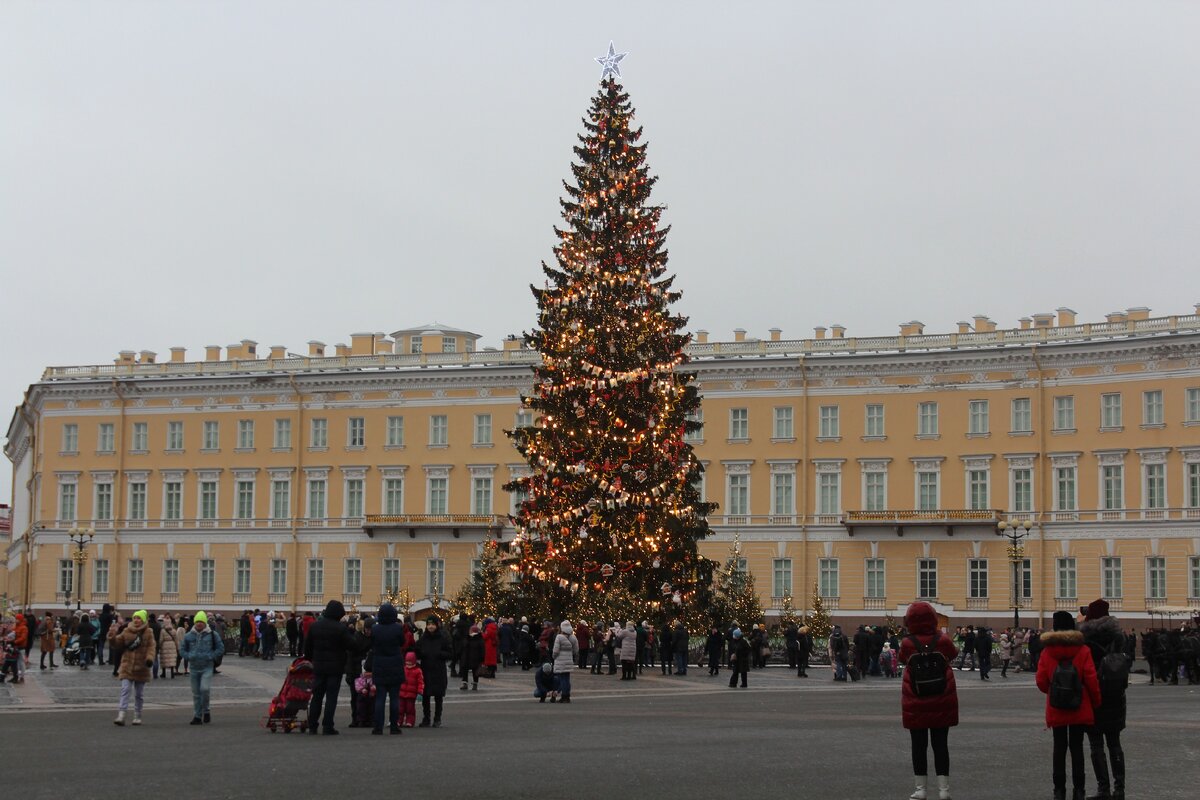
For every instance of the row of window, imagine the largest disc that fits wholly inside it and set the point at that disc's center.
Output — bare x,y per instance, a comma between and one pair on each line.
206,576
316,500
449,344
829,418
318,433
978,494
1066,578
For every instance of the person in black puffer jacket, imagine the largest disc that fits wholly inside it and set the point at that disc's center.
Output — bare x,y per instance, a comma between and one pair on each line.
433,652
328,644
1102,634
387,664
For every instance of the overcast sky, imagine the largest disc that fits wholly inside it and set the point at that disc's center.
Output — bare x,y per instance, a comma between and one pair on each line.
192,173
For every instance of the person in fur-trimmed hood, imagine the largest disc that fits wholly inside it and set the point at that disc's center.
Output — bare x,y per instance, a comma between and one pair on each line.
1064,649
1102,634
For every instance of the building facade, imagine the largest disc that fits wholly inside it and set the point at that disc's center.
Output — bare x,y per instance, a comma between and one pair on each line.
876,470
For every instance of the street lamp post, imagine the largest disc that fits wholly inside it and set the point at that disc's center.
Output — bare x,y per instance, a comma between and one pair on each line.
1015,531
81,537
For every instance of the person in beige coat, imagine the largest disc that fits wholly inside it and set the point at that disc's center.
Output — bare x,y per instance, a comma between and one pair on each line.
137,646
168,646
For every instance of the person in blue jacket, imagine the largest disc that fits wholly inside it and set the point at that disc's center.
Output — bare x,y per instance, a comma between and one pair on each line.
202,648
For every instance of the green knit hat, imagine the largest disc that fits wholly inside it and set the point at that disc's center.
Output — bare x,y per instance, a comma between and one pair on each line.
200,617
143,616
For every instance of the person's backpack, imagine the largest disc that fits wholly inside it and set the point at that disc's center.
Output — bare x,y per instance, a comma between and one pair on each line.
927,667
1114,672
1066,687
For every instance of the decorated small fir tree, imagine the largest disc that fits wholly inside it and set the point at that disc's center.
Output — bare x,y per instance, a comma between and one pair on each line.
485,592
736,599
817,620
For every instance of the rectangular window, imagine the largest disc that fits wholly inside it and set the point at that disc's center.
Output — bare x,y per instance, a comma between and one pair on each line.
481,496
66,502
140,439
316,576
1027,578
207,578
173,500
414,344
1113,480
171,576
174,435
483,429
104,438
395,431
283,434
927,419
977,422
1193,580
1110,578
782,585
927,583
354,498
438,490
827,577
212,435
241,575
739,423
1192,411
1064,413
435,581
104,498
783,427
319,433
353,581
393,496
927,491
1022,483
281,499
978,577
783,501
391,574
977,489
448,344
137,576
741,566
356,432
1193,485
1064,489
1156,486
316,498
208,499
100,576
439,431
1152,408
66,576
524,419
739,495
1022,415
245,500
137,501
874,420
875,491
278,576
696,435
829,423
1110,411
70,438
1066,585
829,493
1156,578
245,434
876,586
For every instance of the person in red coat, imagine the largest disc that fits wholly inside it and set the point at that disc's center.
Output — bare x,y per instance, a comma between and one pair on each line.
928,719
412,688
1064,645
491,647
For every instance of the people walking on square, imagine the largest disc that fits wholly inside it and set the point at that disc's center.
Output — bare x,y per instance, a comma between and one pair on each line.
739,658
967,647
269,637
666,650
759,648
508,641
862,650
105,620
583,632
292,628
679,644
48,634
627,641
928,697
565,652
714,647
1067,676
138,648
327,645
85,636
491,647
471,660
804,646
1102,634
168,646
411,691
839,652
21,638
791,639
983,649
387,667
526,647
1006,652
434,653
201,649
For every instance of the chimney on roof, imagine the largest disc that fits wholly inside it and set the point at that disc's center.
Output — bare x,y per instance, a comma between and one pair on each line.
385,346
1115,317
513,342
125,357
1026,323
249,349
212,352
839,331
983,324
362,344
739,334
964,327
819,332
147,357
912,328
278,351
316,349
178,355
1138,312
1043,320
1066,317
341,349
233,352
776,334
702,335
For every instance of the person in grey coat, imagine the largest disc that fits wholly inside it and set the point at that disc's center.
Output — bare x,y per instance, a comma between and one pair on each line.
565,653
627,638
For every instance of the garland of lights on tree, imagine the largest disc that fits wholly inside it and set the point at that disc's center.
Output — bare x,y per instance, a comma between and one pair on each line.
612,501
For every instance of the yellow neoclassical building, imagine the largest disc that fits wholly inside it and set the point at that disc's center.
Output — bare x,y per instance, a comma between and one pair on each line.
876,469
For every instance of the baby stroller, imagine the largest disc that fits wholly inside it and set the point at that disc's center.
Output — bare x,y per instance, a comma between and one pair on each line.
71,652
289,708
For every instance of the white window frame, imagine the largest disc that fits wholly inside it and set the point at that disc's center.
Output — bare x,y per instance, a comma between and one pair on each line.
137,576
243,506
173,500
211,439
202,496
316,505
1193,578
1021,415
829,424
1063,474
105,438
439,430
935,481
1112,412
318,433
354,498
1112,580
977,578
482,430
68,501
698,434
1191,484
978,418
356,432
391,568
1064,412
449,344
170,576
481,495
927,567
739,424
437,488
1156,578
927,418
874,413
66,577
100,569
1066,571
243,575
139,441
102,500
315,576
395,431
282,439
829,489
245,434
979,479
1152,408
352,575
874,578
138,500
875,497
435,576
1112,487
175,435
206,576
781,577
737,494
279,572
1154,486
783,493
70,437
783,424
281,498
393,495
1015,496
829,577
1191,400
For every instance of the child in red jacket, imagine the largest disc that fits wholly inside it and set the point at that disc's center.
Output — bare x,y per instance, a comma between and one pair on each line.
1063,650
411,690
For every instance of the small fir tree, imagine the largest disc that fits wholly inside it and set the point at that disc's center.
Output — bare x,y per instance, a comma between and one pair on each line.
788,615
817,620
735,598
485,592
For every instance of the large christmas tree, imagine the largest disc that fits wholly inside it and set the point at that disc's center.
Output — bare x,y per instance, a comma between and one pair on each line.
612,501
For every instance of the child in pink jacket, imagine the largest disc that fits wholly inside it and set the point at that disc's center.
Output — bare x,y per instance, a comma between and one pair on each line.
411,690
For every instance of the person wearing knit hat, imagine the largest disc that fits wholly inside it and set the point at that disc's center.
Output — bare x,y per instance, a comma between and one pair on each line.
202,648
739,658
564,654
137,646
471,659
1105,641
1067,675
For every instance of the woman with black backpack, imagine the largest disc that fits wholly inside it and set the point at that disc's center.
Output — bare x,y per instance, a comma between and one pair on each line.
1068,677
929,696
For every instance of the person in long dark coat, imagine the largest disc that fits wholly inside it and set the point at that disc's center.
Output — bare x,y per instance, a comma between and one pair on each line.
804,646
666,650
791,639
434,653
714,647
739,658
471,660
293,631
328,644
387,665
1102,634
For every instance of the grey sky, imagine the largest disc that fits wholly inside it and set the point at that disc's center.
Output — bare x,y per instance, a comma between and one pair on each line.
195,173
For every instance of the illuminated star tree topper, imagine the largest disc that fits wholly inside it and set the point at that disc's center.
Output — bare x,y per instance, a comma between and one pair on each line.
610,62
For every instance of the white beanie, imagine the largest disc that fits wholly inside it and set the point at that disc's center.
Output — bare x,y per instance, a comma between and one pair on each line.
565,627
